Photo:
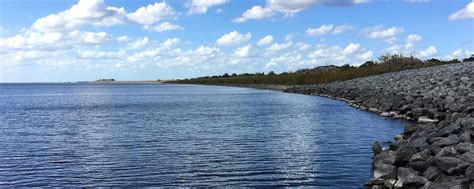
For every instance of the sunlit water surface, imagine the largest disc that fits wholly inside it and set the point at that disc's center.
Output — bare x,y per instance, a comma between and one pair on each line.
182,135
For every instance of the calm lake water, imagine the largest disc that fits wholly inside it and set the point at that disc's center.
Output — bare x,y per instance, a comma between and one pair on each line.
182,135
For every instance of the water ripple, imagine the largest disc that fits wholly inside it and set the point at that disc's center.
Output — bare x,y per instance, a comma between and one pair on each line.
181,135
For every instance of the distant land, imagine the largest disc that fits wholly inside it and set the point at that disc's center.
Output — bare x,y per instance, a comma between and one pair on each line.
113,81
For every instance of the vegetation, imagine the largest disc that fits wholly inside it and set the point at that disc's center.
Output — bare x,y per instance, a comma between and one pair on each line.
324,74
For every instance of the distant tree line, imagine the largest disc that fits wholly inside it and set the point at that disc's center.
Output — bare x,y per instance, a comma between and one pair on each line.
324,74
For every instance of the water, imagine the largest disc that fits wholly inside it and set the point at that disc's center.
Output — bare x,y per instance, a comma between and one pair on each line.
186,135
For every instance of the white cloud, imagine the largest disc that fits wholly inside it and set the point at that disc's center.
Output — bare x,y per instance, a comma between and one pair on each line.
412,38
465,13
342,28
394,49
255,13
93,38
379,32
92,12
138,43
152,13
277,47
265,40
201,6
123,38
351,48
429,52
243,52
288,8
32,40
102,54
171,42
233,38
365,56
166,26
460,54
417,1
326,29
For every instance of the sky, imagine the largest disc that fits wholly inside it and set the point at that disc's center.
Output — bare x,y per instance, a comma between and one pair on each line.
83,40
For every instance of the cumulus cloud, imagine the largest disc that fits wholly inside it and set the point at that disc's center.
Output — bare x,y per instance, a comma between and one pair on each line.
165,26
138,43
460,54
267,40
92,12
201,6
32,40
429,52
93,38
243,52
351,48
465,13
412,38
379,32
255,13
276,47
288,8
326,29
152,13
233,38
365,56
102,54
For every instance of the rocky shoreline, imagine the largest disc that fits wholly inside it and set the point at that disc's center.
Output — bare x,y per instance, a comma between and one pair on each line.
437,149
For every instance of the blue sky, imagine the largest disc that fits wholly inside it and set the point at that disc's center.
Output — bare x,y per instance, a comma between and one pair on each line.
77,40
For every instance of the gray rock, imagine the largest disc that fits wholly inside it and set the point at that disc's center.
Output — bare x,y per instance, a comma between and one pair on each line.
450,140
433,185
386,157
470,172
464,147
419,143
421,156
385,171
451,165
465,136
409,178
467,123
468,157
448,151
432,173
403,155
376,148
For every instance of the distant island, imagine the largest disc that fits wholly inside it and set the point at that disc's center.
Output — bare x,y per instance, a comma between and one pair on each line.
114,81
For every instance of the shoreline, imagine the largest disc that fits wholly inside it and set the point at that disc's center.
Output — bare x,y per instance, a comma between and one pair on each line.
436,149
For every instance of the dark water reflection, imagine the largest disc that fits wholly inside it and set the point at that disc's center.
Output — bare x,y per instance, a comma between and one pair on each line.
156,135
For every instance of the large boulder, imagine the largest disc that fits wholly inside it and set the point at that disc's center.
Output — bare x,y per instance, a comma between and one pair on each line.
451,165
448,151
432,173
409,178
376,148
403,155
385,171
386,157
470,173
450,140
468,157
464,147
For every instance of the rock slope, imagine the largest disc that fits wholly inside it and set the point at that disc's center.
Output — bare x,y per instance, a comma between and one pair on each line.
436,150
